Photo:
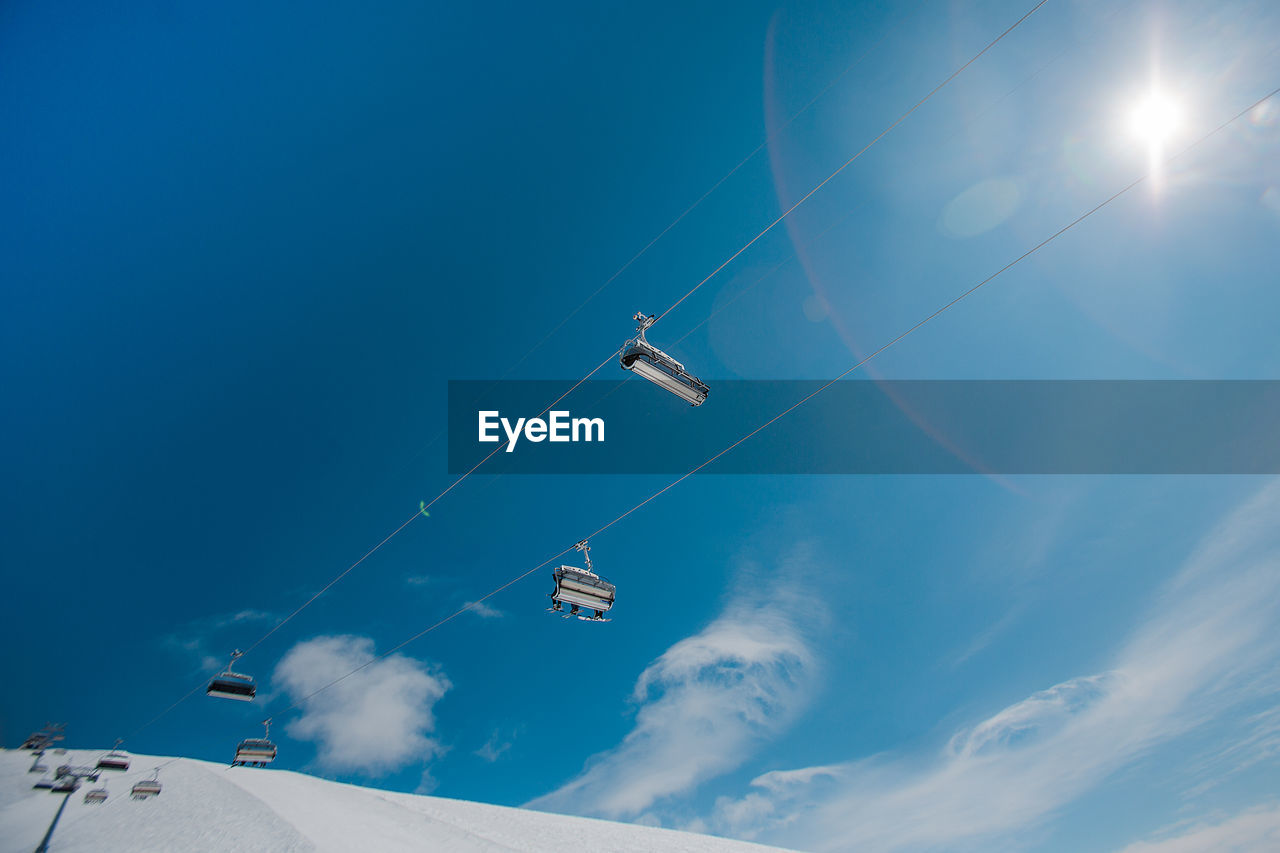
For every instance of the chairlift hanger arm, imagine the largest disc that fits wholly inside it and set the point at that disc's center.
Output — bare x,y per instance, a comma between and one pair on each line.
585,548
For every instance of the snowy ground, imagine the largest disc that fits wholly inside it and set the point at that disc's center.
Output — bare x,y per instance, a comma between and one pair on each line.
205,806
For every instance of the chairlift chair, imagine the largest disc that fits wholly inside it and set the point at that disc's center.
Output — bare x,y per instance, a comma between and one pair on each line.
96,795
116,759
45,737
147,787
232,685
256,752
644,358
65,785
582,588
45,781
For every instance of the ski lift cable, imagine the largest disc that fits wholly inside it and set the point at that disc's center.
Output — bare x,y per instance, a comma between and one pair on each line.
1064,229
761,146
976,118
610,280
458,481
123,779
468,606
929,318
199,686
764,143
760,280
851,160
731,258
967,124
417,513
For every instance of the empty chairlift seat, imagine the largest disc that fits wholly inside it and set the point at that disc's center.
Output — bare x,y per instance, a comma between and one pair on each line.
147,787
644,358
65,785
256,751
95,796
232,685
115,759
582,588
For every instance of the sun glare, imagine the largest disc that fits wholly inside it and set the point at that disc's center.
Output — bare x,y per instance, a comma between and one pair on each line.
1154,122
1155,119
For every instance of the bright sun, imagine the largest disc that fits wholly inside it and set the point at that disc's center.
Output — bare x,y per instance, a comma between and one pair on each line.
1155,119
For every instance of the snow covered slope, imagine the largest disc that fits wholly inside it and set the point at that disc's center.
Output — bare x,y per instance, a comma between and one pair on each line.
210,807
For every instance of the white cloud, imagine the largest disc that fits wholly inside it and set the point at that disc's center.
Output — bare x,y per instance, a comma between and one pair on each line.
704,705
1252,830
375,721
483,610
1195,655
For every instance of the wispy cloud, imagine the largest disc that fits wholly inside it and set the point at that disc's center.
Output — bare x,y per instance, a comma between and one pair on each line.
494,747
1257,828
484,611
1192,658
1256,739
705,705
375,721
427,783
202,639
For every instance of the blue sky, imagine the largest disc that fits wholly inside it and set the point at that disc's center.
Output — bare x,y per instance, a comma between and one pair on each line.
244,248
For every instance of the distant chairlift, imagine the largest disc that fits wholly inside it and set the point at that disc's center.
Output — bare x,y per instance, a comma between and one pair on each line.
116,759
38,766
256,752
659,368
96,796
147,787
44,782
45,738
582,588
233,685
66,784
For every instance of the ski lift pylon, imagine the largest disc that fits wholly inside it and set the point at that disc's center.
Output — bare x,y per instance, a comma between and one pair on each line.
582,588
659,368
256,752
230,684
